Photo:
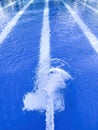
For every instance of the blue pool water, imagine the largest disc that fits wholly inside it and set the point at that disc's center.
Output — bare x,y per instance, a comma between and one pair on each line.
19,56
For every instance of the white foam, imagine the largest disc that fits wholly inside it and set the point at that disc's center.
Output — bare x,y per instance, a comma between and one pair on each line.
37,100
48,98
12,23
87,31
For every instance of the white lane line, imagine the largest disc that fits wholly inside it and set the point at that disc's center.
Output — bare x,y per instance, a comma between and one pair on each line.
45,67
44,58
10,4
90,7
88,33
12,23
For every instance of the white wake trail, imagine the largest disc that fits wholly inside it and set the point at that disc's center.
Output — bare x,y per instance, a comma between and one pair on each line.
46,95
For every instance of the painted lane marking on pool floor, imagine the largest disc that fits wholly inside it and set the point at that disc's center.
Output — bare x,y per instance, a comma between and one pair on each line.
12,23
5,7
88,33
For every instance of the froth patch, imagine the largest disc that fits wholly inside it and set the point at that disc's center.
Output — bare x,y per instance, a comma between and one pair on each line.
35,101
38,100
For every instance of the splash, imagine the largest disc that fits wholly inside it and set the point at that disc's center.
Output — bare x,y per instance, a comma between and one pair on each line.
48,98
37,99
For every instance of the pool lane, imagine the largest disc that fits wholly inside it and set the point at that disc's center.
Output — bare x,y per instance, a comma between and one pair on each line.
89,16
8,11
18,61
70,45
